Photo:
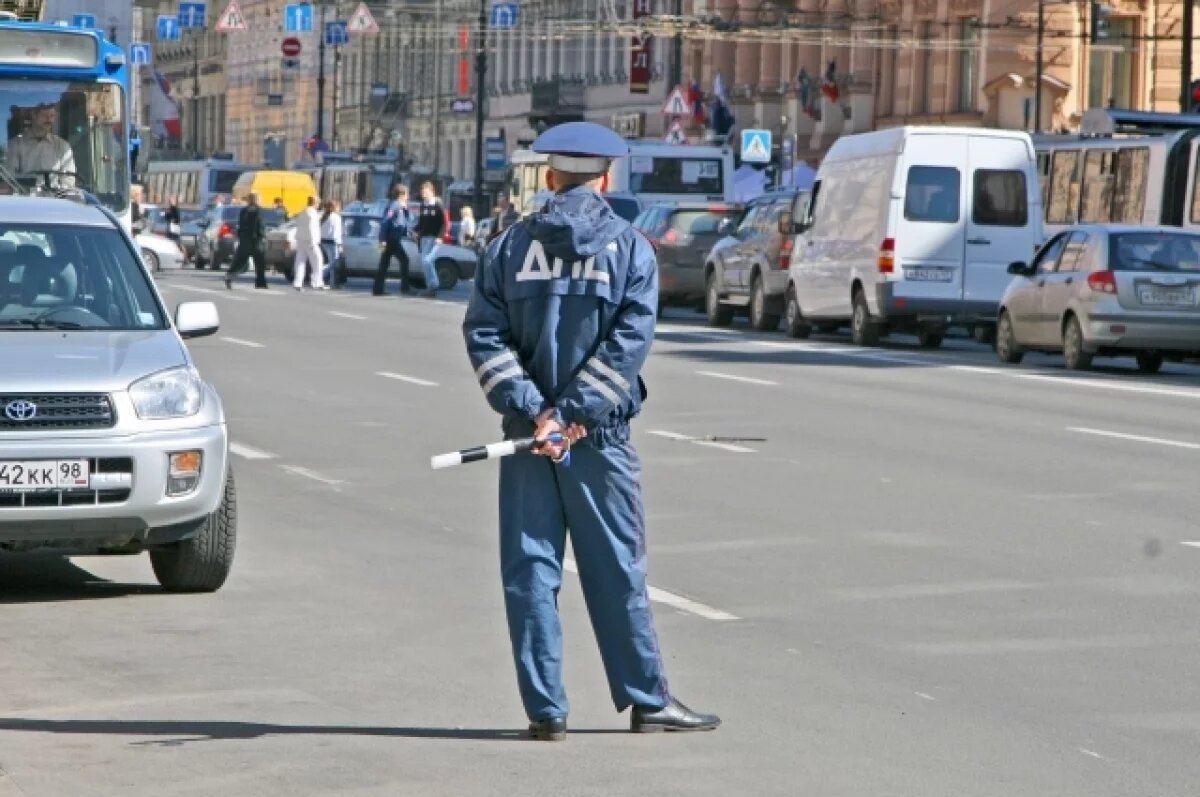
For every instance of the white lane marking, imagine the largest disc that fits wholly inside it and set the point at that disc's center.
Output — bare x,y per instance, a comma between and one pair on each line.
340,314
671,599
1136,438
226,294
735,378
249,452
1092,753
311,474
247,343
683,438
1191,544
924,696
697,330
1100,384
410,379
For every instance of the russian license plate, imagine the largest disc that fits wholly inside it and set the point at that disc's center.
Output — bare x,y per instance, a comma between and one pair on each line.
929,274
1166,297
44,474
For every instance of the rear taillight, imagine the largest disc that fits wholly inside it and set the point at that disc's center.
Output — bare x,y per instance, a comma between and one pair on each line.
675,238
887,256
226,231
1103,282
447,237
785,253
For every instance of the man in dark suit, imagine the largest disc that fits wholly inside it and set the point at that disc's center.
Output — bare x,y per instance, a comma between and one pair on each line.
252,239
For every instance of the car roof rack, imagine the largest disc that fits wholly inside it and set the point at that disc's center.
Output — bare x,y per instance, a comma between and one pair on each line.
78,195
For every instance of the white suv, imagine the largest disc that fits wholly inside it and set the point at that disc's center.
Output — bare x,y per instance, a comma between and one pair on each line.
110,442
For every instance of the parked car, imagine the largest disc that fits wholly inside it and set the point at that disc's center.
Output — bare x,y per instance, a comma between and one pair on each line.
127,449
192,222
1108,291
160,253
218,240
748,265
361,242
912,229
683,234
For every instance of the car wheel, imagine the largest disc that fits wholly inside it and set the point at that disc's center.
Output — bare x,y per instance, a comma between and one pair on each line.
719,315
1007,349
761,318
202,562
863,331
201,264
930,337
447,274
794,321
1149,362
151,260
1074,355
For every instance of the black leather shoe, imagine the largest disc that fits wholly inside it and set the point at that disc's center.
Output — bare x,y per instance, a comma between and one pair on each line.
551,730
675,716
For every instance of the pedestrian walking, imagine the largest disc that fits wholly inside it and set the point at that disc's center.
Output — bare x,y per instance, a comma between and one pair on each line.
396,227
504,215
308,250
331,244
431,226
173,220
560,322
282,208
251,244
466,227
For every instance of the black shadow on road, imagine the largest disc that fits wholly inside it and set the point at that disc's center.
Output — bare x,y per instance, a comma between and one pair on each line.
41,578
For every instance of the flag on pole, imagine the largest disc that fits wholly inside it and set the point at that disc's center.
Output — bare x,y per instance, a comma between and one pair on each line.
164,111
721,120
695,98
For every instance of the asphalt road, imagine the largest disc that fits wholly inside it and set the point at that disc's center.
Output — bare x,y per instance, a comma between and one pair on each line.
934,575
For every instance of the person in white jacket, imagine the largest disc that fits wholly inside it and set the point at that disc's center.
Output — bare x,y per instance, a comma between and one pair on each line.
308,251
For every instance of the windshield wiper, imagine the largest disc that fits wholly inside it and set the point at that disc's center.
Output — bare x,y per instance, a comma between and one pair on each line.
1157,265
40,323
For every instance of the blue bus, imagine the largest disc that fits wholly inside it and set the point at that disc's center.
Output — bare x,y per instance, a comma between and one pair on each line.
64,113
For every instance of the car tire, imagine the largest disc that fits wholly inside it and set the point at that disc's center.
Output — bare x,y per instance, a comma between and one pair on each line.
719,315
863,331
447,274
201,264
151,260
1075,356
1007,350
794,321
930,337
202,562
1149,362
761,318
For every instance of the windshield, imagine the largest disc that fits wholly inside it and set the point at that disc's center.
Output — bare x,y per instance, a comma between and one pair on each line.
1154,251
648,175
60,134
63,277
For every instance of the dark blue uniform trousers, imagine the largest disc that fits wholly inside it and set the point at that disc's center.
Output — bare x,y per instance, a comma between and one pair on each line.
598,498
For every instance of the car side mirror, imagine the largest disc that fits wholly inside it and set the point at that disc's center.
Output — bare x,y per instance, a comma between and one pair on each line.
1019,269
196,319
785,223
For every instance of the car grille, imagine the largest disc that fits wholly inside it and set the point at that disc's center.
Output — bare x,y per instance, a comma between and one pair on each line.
59,411
112,482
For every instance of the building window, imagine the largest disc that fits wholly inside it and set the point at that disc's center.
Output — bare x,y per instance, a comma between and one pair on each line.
1111,74
967,70
923,74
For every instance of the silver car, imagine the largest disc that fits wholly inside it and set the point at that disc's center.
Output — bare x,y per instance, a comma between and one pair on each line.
1105,290
110,441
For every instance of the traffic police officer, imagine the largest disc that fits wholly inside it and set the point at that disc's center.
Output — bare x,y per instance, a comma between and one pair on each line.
559,324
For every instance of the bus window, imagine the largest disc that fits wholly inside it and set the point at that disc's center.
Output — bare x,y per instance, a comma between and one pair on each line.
222,180
650,175
1097,187
1064,188
1129,185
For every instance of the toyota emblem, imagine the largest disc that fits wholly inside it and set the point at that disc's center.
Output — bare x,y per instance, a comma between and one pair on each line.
20,410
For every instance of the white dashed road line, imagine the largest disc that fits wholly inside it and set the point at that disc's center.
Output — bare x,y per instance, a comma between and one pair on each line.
224,294
247,343
249,452
1191,543
340,314
734,378
671,599
410,379
683,438
312,474
1136,438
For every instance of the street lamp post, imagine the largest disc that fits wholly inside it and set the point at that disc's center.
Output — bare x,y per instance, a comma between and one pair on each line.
480,96
321,78
1185,89
1037,69
196,90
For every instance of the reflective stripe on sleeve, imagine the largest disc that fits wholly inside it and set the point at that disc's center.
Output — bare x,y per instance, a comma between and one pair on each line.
497,378
602,369
604,389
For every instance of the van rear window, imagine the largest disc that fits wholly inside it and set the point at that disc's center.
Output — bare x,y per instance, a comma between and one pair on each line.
1000,199
932,194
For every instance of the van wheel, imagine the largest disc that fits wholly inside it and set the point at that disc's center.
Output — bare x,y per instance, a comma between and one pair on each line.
1007,349
1149,362
719,315
794,321
930,337
761,318
1074,355
863,331
447,274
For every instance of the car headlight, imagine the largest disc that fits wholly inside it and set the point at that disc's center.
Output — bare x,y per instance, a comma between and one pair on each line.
176,393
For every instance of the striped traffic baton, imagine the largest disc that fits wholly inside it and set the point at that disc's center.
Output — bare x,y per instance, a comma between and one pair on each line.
504,448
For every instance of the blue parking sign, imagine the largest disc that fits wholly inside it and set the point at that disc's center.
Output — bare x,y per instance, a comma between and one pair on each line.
139,54
84,21
167,28
504,16
298,18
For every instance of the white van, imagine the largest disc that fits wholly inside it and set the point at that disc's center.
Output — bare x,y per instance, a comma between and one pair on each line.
912,229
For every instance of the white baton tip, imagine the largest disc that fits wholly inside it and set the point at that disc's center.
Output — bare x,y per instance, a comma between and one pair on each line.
445,461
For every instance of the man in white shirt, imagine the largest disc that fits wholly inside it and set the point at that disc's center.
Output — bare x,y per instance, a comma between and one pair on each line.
39,150
308,251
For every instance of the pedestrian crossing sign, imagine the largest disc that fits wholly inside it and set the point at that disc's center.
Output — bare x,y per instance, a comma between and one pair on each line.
756,146
361,21
231,18
677,104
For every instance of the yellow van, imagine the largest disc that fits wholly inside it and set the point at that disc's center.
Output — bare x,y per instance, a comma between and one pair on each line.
294,188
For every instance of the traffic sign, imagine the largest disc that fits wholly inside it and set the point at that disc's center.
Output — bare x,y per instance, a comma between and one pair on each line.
167,28
84,21
298,18
676,135
463,105
336,34
677,104
495,153
231,18
289,63
290,47
361,20
191,15
504,16
139,54
756,146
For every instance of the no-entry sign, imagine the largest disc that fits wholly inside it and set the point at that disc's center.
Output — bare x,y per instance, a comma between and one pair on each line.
290,47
